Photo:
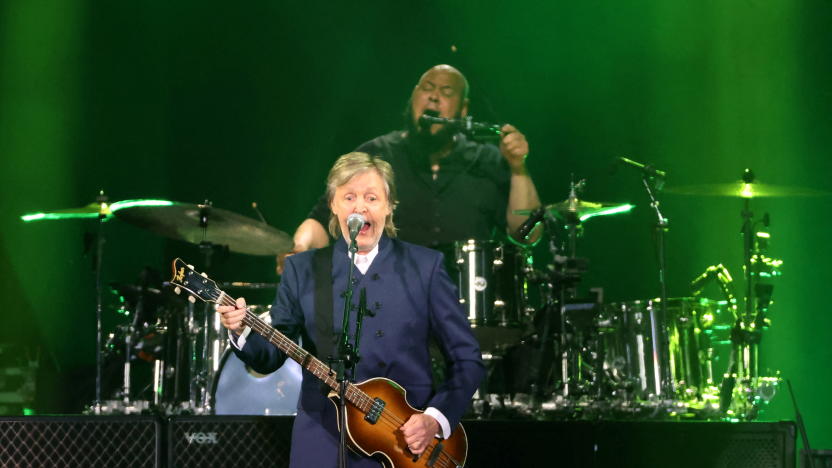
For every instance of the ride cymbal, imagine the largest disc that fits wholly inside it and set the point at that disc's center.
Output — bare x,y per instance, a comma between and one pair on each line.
573,209
741,189
204,223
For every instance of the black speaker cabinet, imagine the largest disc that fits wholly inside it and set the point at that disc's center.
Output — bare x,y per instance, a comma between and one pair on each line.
80,441
236,441
636,444
696,444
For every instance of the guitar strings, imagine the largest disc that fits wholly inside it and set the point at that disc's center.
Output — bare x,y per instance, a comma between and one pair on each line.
392,421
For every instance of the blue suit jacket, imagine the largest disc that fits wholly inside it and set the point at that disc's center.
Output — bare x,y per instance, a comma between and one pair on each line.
413,298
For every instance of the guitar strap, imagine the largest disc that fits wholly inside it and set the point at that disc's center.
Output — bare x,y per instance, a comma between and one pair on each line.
322,271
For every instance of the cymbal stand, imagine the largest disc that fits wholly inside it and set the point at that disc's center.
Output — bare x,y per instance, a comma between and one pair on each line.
566,275
744,367
101,199
201,337
659,336
132,328
207,337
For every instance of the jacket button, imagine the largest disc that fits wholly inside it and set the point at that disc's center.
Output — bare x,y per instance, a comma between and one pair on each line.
379,333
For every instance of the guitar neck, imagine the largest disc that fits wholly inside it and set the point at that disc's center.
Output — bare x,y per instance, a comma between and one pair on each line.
306,360
199,286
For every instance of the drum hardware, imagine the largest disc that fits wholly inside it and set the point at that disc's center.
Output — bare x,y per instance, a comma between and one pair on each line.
178,347
716,327
746,336
742,389
489,399
566,333
101,211
653,181
580,356
201,340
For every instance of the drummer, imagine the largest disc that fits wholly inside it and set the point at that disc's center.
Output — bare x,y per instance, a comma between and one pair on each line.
450,187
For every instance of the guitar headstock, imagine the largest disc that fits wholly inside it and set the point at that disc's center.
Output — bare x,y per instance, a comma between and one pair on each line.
198,285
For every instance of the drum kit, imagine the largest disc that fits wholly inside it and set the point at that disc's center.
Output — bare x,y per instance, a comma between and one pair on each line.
551,351
171,356
561,354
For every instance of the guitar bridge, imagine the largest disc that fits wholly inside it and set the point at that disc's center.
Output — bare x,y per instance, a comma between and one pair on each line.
375,411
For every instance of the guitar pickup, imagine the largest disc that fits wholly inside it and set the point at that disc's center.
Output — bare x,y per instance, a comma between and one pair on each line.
435,454
375,410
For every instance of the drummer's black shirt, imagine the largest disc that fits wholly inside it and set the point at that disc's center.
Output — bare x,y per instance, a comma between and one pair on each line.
468,199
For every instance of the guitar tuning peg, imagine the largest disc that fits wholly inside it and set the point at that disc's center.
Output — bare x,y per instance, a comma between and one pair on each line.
177,290
204,275
191,299
190,266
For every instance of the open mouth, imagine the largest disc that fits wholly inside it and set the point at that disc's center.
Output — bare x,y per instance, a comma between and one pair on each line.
365,228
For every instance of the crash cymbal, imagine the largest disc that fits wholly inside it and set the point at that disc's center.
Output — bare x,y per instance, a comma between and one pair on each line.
740,189
93,210
204,223
573,209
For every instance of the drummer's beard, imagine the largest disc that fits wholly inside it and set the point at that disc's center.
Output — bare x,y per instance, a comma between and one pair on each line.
420,137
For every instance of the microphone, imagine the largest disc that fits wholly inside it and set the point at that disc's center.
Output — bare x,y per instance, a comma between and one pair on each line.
647,169
426,119
535,217
466,125
354,223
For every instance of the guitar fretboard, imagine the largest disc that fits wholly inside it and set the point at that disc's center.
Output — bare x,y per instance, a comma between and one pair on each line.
205,289
303,357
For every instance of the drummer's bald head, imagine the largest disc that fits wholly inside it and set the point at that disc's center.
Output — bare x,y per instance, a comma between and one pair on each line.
451,70
442,91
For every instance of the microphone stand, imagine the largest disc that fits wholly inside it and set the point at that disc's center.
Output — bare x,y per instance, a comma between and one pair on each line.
347,354
658,321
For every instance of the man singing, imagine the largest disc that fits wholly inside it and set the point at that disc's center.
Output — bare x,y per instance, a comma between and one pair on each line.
411,299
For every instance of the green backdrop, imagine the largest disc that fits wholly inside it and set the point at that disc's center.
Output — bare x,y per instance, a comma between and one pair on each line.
251,102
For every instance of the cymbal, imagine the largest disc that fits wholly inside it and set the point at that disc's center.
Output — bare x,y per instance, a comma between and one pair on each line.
93,210
184,221
573,209
740,189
